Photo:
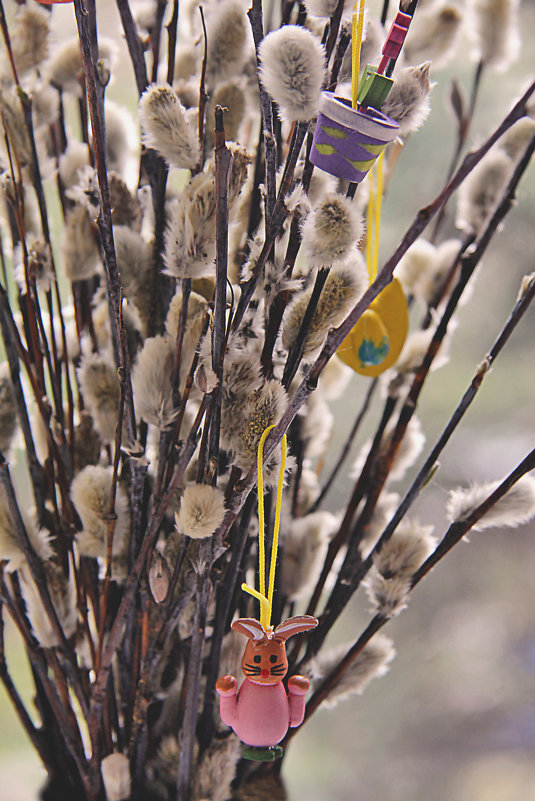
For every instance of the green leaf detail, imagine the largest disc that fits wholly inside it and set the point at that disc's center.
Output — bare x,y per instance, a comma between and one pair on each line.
362,166
336,133
325,150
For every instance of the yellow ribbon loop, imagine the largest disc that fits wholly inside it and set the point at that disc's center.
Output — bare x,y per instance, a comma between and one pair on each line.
266,601
356,36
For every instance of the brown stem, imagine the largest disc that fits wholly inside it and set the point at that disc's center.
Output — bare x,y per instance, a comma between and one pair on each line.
223,161
133,42
347,447
171,45
203,97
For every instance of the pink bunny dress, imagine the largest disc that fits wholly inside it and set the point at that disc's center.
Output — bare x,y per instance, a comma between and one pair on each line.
260,714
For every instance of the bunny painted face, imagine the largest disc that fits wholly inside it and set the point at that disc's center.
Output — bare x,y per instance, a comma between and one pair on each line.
265,662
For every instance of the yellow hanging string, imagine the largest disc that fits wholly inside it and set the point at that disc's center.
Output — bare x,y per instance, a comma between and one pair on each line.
357,26
375,202
377,220
266,602
370,217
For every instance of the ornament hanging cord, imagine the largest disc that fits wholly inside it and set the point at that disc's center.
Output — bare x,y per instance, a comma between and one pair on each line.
374,218
356,37
266,601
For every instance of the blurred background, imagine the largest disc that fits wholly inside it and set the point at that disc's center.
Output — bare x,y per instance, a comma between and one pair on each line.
454,719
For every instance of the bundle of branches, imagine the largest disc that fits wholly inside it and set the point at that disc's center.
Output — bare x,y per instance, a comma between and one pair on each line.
200,284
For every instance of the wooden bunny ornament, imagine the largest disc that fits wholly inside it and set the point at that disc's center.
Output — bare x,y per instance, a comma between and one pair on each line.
261,712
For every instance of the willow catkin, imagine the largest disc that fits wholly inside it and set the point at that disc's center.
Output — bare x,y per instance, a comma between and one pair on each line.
165,127
202,509
515,508
408,101
292,69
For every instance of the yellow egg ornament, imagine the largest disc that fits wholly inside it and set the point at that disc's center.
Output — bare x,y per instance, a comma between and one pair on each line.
376,340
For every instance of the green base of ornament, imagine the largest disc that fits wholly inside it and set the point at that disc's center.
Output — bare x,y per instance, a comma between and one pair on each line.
258,754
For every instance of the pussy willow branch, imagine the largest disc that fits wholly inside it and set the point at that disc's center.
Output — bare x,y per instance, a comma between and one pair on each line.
83,19
463,129
223,161
36,736
337,335
171,43
282,299
363,482
203,97
35,469
135,47
295,353
70,735
155,37
39,578
140,565
346,447
453,535
276,221
193,676
270,150
354,568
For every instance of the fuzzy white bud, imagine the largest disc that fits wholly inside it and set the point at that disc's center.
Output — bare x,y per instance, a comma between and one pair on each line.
151,382
116,777
480,192
165,127
494,29
331,230
202,509
408,101
292,69
371,663
515,508
433,35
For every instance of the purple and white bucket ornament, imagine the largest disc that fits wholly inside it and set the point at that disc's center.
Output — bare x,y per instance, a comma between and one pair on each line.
346,141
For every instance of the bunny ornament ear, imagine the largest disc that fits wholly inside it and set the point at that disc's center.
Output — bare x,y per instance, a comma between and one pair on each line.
295,625
251,628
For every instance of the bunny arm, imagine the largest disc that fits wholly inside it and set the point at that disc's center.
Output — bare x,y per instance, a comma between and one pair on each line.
228,700
297,689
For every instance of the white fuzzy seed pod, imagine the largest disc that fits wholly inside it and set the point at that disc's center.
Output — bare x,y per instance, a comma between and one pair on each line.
434,35
151,382
292,69
331,230
8,409
81,259
408,101
305,547
62,592
371,663
122,140
202,509
495,33
91,495
480,192
342,289
515,508
116,777
73,162
30,38
407,549
165,127
10,550
227,30
216,770
64,67
100,388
